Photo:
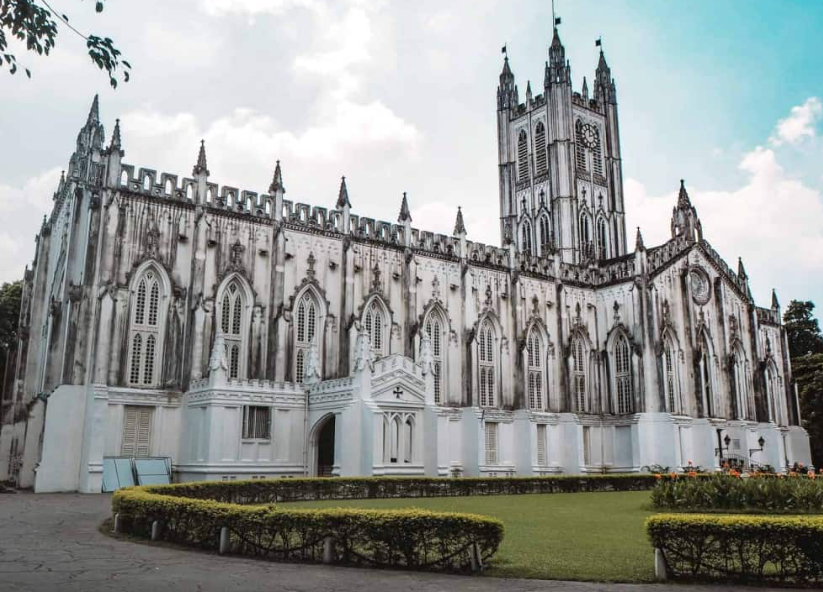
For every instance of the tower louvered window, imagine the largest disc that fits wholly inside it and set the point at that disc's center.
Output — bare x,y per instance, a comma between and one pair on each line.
305,334
535,374
231,325
374,319
580,146
602,240
597,153
623,375
523,156
485,362
579,375
434,328
541,158
526,234
545,235
145,331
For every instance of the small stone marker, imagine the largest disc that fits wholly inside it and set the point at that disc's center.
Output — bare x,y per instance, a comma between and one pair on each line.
118,524
224,540
328,550
476,557
156,529
660,571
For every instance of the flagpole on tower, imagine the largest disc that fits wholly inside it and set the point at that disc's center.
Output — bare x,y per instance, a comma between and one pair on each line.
555,18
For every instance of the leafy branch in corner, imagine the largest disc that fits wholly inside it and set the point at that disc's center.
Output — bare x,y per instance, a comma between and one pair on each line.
34,22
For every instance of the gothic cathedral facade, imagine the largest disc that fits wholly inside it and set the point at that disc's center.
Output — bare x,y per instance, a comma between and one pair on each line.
244,335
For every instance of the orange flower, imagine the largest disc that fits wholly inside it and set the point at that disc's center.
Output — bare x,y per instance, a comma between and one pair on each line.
811,475
658,476
673,475
792,474
692,474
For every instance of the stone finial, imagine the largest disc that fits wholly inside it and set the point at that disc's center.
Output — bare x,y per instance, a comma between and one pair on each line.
201,168
585,90
528,91
94,112
115,136
507,71
363,354
638,243
277,180
405,215
459,225
218,362
775,303
311,374
343,195
741,271
683,200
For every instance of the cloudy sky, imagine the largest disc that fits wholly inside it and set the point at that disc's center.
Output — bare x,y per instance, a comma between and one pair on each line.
399,95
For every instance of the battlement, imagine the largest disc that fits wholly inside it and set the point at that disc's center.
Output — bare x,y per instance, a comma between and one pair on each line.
767,316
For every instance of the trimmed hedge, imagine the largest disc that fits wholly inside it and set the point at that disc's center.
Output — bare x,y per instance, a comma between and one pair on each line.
266,491
720,492
749,549
411,539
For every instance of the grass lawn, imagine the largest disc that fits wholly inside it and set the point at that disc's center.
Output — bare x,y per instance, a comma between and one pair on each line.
562,536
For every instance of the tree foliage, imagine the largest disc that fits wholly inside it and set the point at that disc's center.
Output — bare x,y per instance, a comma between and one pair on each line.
10,295
803,329
34,23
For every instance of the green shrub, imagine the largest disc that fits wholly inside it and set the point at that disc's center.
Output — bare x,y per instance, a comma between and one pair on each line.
412,539
266,491
751,549
720,492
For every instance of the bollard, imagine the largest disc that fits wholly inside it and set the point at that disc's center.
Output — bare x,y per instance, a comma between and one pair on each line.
224,540
118,524
476,557
660,572
328,550
156,529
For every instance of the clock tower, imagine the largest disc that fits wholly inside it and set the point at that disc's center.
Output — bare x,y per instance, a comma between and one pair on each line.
561,180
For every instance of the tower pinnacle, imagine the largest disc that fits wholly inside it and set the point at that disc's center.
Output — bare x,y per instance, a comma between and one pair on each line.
115,136
405,215
200,168
94,112
277,180
343,195
459,225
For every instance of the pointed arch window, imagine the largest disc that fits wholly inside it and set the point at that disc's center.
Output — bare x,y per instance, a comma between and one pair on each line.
526,233
705,375
535,373
545,235
232,308
146,330
670,378
585,235
375,322
435,328
623,375
602,238
522,156
579,375
773,390
485,364
738,385
580,146
541,158
305,333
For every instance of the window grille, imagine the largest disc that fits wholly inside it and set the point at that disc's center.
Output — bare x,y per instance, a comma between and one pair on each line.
545,235
580,146
523,156
374,322
137,424
306,324
668,366
534,363
231,315
542,460
256,423
434,328
527,237
540,149
491,443
579,375
486,366
623,375
145,331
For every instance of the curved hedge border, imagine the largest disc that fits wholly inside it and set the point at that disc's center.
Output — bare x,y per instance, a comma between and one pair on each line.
265,491
411,539
751,549
721,492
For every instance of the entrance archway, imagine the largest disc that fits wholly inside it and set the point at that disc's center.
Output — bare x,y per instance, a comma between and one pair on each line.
325,448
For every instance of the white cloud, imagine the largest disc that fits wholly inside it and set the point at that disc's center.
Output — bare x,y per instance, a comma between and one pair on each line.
800,123
773,221
22,210
439,217
252,7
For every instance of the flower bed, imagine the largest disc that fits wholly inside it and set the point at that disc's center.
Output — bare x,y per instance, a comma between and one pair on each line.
411,539
731,492
265,491
750,549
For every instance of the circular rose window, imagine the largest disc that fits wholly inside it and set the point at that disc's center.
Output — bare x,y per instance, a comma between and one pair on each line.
701,289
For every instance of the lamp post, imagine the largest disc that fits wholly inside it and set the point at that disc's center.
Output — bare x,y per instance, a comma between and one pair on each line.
761,442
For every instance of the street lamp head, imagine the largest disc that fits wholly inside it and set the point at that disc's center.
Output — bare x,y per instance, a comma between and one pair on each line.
761,441
727,440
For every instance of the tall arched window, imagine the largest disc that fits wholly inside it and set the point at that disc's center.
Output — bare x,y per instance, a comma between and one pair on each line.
541,159
579,375
545,235
232,309
485,363
704,371
535,376
773,391
670,378
602,238
375,321
145,330
523,156
435,328
585,235
738,376
580,146
597,153
306,330
526,233
623,375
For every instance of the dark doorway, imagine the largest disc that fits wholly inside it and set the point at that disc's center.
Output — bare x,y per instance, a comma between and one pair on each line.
325,449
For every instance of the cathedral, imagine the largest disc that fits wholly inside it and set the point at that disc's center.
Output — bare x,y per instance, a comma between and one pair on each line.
243,335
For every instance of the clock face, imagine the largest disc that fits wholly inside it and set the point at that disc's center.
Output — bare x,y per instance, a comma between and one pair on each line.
699,282
590,135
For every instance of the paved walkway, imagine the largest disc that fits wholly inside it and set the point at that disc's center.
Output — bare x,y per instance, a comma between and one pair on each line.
51,543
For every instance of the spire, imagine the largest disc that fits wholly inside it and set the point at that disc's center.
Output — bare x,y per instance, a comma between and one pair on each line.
405,215
459,226
94,112
528,91
683,200
585,91
277,180
638,243
343,196
200,168
741,271
506,92
557,69
506,74
115,136
775,303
